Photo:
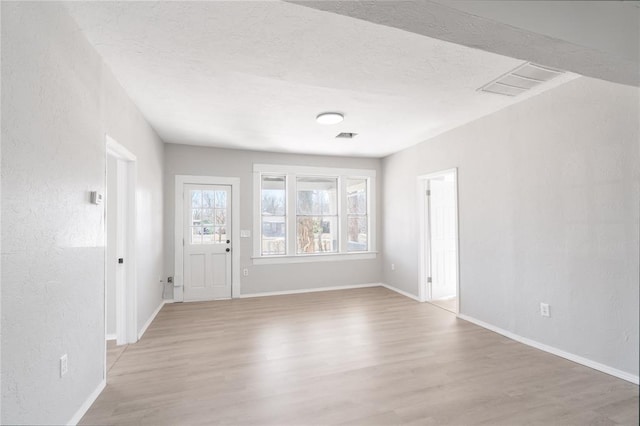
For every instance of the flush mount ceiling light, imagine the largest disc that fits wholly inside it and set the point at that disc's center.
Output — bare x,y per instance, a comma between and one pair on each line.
329,118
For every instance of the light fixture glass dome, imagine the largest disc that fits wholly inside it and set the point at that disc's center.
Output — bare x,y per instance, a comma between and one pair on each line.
329,118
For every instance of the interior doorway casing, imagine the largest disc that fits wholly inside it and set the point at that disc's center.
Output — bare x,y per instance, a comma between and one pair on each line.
425,240
180,181
126,300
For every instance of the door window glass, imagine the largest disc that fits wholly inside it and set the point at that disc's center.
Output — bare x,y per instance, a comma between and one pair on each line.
208,212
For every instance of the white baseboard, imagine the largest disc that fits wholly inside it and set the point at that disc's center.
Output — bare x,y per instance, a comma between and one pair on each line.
309,290
113,336
88,403
152,317
402,292
555,351
317,289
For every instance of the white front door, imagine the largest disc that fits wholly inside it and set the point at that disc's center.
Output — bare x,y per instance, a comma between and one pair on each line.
207,242
442,222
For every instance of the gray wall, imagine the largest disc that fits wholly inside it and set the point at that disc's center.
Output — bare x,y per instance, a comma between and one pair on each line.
192,160
549,212
58,101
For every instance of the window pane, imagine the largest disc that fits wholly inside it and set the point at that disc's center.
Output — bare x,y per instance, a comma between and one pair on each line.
317,234
221,217
357,196
220,199
196,235
207,199
206,216
317,196
206,232
357,230
207,235
273,195
207,226
196,199
196,217
273,235
220,234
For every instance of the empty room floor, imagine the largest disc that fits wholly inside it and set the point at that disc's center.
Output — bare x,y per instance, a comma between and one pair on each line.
114,352
448,304
363,356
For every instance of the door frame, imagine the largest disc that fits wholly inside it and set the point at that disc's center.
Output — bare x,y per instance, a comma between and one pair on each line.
126,305
424,218
178,278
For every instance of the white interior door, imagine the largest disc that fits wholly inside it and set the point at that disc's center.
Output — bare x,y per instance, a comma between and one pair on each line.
207,242
111,246
121,252
120,257
442,234
116,250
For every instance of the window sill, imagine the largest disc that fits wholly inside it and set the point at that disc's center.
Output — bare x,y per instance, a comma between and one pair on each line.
333,257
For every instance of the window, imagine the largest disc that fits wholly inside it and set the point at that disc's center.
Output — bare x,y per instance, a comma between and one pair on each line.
357,221
273,210
312,213
317,215
208,212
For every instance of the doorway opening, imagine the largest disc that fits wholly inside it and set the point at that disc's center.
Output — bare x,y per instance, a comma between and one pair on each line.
120,259
439,269
207,255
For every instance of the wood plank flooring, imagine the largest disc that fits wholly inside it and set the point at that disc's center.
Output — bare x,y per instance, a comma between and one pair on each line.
114,352
360,357
448,304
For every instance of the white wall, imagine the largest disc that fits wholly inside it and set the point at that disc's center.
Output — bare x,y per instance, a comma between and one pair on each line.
58,102
192,160
549,212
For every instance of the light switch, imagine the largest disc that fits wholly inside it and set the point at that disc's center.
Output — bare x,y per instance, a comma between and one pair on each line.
245,233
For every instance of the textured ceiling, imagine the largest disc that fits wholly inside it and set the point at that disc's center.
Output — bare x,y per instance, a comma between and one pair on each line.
253,75
598,39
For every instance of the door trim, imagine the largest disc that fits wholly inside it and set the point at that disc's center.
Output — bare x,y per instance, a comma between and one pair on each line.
424,292
127,314
178,278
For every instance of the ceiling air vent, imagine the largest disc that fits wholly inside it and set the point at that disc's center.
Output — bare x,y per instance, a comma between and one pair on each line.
521,79
346,135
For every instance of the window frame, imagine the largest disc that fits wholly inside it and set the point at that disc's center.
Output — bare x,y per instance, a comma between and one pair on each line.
291,174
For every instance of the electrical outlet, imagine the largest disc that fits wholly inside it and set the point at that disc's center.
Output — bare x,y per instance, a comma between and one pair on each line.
63,365
245,272
393,266
544,310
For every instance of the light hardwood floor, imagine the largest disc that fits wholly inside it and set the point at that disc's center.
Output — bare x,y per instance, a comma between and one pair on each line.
448,304
114,352
366,356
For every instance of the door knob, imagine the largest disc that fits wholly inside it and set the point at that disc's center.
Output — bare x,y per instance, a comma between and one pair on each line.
228,250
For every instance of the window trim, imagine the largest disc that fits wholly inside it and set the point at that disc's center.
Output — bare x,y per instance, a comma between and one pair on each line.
291,173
